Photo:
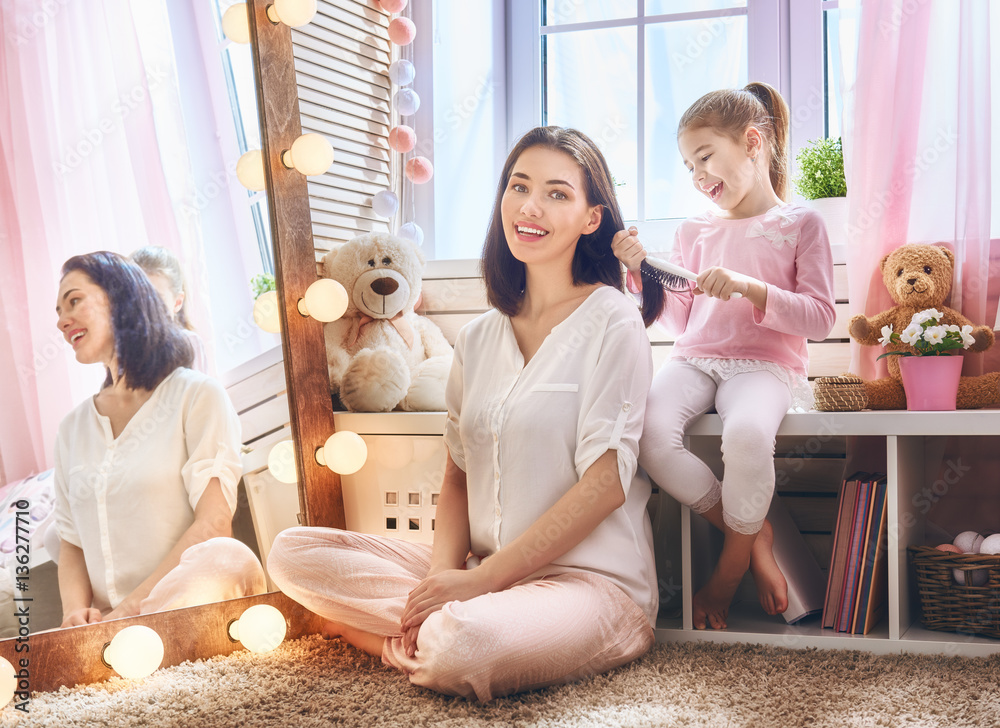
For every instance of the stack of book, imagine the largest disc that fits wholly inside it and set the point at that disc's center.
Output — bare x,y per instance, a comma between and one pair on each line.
857,583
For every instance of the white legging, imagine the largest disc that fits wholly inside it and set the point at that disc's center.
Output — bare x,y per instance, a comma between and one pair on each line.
751,405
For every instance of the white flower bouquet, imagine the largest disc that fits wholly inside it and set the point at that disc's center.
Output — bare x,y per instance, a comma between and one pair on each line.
928,336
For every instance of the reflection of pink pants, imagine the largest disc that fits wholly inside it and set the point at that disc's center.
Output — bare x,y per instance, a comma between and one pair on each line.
546,631
210,571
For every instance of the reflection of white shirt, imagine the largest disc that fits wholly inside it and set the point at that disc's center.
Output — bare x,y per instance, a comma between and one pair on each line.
127,501
525,434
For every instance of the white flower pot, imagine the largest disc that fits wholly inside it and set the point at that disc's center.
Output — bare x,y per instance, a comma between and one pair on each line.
833,210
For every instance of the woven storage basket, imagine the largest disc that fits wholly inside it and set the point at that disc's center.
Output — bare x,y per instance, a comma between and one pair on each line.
845,393
952,607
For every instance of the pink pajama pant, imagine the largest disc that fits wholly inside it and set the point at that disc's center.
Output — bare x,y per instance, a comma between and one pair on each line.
541,632
211,571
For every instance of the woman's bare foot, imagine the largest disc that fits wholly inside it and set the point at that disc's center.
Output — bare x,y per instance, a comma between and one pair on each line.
772,589
365,641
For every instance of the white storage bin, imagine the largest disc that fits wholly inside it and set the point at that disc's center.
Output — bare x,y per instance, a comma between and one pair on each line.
395,493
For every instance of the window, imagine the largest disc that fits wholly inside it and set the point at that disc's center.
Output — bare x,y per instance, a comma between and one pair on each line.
655,59
237,65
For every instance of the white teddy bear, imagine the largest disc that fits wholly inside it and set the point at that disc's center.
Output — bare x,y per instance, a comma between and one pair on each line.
382,355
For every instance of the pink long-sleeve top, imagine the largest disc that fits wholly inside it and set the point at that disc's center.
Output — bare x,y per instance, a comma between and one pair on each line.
788,249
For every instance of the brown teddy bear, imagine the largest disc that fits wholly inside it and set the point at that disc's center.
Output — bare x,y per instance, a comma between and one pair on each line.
919,277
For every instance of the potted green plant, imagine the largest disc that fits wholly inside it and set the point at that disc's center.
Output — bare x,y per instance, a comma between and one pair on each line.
265,307
821,182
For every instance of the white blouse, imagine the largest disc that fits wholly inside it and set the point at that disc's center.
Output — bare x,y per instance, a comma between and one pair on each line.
127,501
526,434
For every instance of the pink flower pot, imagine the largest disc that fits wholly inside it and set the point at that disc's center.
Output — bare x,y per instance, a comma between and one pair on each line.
930,382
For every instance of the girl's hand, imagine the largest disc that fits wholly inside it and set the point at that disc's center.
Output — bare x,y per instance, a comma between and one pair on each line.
627,248
78,617
723,283
435,591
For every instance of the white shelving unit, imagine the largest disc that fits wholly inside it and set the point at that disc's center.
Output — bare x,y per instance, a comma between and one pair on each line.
909,438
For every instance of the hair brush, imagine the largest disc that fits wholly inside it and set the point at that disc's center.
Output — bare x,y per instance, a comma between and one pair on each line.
671,277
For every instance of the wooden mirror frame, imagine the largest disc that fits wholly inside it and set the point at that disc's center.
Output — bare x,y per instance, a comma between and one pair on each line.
306,374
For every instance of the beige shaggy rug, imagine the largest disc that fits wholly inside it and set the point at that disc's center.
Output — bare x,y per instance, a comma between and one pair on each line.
312,682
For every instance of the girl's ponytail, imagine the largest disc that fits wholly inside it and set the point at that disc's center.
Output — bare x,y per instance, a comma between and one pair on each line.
777,109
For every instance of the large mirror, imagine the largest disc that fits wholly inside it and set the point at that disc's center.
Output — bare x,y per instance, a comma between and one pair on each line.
123,126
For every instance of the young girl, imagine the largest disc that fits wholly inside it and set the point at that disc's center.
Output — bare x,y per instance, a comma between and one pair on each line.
744,356
164,272
146,470
541,489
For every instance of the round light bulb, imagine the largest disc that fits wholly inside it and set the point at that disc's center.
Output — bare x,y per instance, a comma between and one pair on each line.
261,628
281,462
311,154
344,452
411,231
325,300
250,170
385,203
236,23
135,652
406,101
295,13
8,682
265,312
402,72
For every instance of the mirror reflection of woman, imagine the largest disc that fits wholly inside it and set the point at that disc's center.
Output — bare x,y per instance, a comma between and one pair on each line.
542,566
146,470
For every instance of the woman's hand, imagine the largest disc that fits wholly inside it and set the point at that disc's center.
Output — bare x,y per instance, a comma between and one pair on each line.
125,609
627,248
434,592
78,617
723,283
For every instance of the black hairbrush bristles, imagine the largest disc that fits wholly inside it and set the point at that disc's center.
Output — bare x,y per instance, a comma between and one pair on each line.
670,277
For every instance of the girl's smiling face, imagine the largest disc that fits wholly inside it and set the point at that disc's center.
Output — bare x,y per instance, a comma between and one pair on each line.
544,207
722,169
85,318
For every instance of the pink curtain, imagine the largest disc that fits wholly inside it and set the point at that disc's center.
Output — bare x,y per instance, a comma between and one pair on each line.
80,170
917,151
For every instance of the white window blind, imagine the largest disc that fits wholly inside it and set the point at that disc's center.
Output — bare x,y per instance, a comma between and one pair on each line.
341,66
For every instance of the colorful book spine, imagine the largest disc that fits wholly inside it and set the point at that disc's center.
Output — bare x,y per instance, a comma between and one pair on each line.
853,559
874,582
838,554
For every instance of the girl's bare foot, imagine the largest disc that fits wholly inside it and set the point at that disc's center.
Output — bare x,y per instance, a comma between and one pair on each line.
710,606
772,589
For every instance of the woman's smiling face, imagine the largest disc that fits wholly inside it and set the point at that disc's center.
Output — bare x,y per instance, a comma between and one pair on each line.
85,318
544,207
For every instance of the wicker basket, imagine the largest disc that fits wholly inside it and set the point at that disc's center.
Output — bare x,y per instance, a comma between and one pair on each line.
845,393
952,607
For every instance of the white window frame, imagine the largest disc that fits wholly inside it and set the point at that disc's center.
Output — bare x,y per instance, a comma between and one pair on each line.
785,49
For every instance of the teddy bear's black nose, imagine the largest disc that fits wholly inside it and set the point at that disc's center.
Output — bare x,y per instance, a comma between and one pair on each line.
384,286
911,281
